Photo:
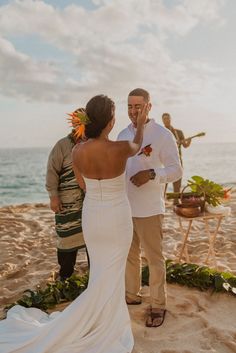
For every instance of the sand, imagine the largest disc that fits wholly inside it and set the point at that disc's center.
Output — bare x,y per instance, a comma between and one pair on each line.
195,321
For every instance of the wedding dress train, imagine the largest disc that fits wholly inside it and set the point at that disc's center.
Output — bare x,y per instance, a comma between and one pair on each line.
98,320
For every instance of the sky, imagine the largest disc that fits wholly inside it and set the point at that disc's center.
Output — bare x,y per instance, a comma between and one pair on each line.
55,55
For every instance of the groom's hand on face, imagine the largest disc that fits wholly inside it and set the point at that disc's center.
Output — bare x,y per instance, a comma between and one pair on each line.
140,178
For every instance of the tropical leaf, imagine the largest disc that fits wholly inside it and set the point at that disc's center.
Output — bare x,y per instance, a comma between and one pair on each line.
197,178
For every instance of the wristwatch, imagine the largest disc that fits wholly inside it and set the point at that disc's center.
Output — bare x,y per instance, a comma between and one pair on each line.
152,174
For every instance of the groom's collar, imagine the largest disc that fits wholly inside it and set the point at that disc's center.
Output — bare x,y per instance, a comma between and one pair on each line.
147,126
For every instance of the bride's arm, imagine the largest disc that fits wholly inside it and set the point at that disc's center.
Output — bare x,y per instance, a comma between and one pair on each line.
135,145
78,175
79,178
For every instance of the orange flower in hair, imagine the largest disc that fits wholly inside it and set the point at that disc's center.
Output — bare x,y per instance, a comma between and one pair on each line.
78,120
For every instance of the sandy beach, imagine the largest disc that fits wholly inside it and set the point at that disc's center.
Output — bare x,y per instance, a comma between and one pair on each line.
195,322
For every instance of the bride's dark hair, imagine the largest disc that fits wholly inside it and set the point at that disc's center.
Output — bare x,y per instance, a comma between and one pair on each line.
100,110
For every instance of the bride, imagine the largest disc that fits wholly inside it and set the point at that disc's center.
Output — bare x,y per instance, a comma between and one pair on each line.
98,320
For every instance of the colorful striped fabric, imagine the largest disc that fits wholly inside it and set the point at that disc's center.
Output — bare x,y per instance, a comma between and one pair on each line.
61,181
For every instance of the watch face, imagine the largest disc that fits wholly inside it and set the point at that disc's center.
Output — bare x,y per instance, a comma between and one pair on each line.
152,174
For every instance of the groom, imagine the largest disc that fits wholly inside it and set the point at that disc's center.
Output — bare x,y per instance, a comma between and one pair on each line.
156,164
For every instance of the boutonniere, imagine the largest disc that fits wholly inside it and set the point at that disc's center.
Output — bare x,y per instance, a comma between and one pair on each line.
146,150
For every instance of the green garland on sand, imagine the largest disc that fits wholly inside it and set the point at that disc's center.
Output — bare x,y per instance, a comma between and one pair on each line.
55,293
201,277
190,275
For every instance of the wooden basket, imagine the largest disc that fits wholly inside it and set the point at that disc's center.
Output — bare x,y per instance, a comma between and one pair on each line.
187,211
192,201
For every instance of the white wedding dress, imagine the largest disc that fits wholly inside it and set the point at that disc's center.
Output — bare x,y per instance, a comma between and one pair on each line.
98,320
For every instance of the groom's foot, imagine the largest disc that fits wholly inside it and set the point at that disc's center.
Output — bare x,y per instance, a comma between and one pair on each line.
155,317
133,302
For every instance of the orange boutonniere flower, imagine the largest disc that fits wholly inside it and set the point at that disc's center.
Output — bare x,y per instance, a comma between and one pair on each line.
146,150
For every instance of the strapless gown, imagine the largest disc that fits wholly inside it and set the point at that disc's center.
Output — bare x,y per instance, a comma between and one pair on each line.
98,320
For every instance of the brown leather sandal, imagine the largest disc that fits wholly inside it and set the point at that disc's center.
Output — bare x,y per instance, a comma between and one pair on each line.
134,302
152,316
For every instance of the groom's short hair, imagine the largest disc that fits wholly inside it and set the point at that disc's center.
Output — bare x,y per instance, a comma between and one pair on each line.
140,92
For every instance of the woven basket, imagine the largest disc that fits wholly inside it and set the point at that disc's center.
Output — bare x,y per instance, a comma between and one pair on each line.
190,201
187,211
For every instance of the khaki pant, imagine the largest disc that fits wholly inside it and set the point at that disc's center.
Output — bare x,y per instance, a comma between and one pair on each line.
148,234
177,185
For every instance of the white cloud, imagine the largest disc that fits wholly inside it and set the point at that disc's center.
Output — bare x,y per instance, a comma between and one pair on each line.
22,76
111,49
118,46
205,9
114,22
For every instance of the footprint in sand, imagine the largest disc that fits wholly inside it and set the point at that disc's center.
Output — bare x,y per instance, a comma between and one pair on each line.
221,342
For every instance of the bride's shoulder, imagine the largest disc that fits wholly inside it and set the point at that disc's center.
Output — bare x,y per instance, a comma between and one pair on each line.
78,149
81,145
120,144
123,147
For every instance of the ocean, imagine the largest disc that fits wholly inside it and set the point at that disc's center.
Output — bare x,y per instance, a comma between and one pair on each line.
22,171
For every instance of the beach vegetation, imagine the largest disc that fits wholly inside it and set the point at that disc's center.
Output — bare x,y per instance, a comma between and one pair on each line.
53,293
193,275
187,274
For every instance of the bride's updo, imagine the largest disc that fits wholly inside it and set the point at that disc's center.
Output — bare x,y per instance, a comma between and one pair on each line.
100,110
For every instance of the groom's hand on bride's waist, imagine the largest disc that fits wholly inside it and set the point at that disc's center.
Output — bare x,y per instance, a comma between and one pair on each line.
140,178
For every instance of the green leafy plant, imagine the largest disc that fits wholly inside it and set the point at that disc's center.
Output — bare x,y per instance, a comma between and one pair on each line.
213,193
207,190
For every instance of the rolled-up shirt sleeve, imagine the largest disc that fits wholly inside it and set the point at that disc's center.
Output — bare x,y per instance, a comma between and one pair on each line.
54,166
169,157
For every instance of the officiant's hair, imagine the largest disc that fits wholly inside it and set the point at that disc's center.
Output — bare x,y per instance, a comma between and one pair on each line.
140,92
100,110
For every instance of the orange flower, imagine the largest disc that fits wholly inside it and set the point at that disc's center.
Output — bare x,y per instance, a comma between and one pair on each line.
227,194
146,150
78,120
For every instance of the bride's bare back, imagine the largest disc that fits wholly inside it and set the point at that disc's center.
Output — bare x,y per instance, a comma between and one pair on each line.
102,159
99,158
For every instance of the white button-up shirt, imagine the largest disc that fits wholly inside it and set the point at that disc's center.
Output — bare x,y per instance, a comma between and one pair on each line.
162,156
